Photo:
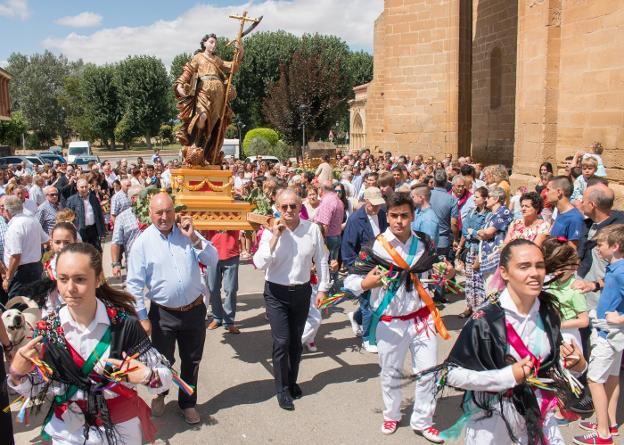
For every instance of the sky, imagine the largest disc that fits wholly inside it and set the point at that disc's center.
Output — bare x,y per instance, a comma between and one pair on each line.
108,31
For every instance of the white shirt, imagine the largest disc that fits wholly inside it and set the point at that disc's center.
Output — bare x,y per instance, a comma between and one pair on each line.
88,209
36,194
404,302
291,261
492,430
24,237
84,339
374,222
30,207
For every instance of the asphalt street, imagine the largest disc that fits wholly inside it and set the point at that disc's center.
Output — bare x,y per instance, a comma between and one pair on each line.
341,403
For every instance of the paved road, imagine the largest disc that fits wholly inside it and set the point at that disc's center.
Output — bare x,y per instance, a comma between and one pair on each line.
341,403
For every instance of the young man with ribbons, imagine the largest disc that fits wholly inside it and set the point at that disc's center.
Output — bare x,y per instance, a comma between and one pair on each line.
404,315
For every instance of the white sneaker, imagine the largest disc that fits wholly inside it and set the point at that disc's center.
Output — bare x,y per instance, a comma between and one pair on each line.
311,346
369,348
389,426
357,328
431,434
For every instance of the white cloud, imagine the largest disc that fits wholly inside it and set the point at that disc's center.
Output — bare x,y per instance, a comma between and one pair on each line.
4,63
352,20
82,20
15,9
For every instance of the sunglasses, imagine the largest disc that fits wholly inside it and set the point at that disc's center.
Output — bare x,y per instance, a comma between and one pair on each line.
285,207
338,191
52,194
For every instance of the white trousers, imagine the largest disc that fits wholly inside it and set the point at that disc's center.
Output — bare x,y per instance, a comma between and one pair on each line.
313,323
394,339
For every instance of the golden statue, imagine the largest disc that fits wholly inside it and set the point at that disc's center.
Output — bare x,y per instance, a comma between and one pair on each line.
204,91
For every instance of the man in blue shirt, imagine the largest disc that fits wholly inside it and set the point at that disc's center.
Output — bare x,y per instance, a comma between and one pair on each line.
447,211
570,223
425,219
164,262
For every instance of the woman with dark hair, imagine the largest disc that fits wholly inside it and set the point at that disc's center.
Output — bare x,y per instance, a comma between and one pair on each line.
94,352
511,361
530,226
545,167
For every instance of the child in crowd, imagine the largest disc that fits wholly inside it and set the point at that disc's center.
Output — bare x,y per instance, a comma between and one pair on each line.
588,169
607,341
595,152
561,264
514,203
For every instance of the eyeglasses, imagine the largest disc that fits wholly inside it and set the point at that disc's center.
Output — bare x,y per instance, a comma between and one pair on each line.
52,194
285,207
338,191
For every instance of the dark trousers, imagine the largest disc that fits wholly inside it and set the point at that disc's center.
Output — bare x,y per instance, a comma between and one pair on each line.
287,308
6,425
189,330
26,274
89,235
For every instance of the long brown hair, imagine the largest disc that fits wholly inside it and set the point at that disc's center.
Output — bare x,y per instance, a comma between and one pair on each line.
105,292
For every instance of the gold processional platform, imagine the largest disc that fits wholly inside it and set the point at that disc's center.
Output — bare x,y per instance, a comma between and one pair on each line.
206,193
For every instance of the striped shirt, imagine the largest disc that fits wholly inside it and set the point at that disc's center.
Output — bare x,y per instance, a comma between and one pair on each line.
46,215
119,203
126,229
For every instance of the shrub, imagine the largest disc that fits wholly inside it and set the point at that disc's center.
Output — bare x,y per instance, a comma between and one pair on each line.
267,134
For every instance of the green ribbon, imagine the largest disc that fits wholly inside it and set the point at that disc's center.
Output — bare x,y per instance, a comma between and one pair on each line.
389,296
86,369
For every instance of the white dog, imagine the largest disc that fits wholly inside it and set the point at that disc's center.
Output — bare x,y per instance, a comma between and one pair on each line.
19,319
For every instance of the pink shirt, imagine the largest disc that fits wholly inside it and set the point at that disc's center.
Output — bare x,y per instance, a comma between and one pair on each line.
330,213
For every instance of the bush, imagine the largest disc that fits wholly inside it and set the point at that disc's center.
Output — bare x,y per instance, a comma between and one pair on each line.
267,134
258,146
231,132
166,134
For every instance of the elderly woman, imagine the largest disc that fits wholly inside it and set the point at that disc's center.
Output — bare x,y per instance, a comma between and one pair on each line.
530,226
493,235
474,288
497,175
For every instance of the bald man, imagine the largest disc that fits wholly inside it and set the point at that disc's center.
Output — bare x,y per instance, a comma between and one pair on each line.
163,266
89,214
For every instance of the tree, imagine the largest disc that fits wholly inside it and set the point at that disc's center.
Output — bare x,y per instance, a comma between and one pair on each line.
102,104
36,88
72,101
314,87
146,96
11,131
268,134
360,67
177,64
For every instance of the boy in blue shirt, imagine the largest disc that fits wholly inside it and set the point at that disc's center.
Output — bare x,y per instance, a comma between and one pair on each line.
606,354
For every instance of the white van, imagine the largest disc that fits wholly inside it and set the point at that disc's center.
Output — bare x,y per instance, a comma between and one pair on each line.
231,148
78,148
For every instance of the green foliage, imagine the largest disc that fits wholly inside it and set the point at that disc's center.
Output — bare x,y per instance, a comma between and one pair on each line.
177,64
32,142
263,204
125,133
11,131
267,134
360,67
316,78
145,89
257,146
231,132
141,205
102,101
166,134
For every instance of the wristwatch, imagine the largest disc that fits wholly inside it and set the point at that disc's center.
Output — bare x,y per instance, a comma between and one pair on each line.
597,286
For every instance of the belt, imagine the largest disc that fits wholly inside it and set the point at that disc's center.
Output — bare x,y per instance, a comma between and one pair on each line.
211,77
421,313
292,287
187,307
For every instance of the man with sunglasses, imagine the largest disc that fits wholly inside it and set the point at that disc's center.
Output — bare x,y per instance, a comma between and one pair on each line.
46,213
286,253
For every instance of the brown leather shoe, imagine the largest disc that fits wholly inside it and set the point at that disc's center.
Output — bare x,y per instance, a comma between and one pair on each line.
214,324
158,406
233,329
191,416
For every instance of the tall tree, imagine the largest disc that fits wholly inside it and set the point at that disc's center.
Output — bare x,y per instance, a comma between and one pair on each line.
11,131
313,87
360,67
146,96
102,102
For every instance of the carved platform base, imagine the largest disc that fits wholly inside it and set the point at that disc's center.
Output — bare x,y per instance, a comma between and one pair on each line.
207,194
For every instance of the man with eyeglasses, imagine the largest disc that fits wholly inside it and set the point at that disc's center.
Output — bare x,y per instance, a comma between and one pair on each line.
286,253
46,213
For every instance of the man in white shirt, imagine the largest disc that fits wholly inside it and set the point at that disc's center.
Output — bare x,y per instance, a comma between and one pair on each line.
22,248
29,206
286,253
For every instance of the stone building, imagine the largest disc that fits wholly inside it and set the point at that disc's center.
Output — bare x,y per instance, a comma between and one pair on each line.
5,103
513,82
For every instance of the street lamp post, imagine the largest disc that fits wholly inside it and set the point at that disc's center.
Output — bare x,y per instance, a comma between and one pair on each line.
240,126
302,110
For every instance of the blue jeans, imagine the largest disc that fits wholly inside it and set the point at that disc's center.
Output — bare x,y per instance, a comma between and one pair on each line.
364,314
226,273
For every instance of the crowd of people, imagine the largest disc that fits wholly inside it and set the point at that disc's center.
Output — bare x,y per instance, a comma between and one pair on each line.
540,271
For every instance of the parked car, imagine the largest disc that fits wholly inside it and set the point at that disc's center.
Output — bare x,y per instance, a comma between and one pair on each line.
36,160
49,158
10,160
56,149
255,159
83,161
78,148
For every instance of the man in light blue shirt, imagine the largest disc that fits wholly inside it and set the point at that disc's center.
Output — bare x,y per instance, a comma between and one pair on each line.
163,266
447,211
425,219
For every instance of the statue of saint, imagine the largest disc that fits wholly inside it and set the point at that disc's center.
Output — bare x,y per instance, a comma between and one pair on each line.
204,110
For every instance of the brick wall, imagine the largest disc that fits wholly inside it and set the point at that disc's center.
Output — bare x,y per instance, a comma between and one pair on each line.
413,99
494,28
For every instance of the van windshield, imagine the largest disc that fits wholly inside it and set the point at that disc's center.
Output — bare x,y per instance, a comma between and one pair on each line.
78,150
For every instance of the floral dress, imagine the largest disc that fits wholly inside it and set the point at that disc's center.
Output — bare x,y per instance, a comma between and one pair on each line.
518,230
490,249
